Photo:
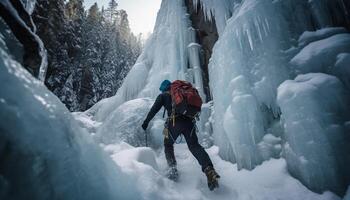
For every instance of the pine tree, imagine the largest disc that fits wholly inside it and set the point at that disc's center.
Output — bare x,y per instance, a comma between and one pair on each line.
112,11
124,28
61,38
49,19
90,52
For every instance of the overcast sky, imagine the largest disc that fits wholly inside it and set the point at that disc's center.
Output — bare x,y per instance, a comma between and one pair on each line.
142,13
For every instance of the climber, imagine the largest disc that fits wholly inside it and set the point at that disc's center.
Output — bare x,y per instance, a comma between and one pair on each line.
176,125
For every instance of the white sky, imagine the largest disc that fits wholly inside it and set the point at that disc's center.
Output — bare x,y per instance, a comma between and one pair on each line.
141,13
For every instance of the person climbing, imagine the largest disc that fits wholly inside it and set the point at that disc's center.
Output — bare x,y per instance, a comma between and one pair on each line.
177,124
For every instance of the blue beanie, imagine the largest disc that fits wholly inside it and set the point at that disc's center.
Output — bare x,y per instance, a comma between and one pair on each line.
165,86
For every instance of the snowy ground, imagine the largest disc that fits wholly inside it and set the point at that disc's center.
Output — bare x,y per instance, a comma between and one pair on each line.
269,181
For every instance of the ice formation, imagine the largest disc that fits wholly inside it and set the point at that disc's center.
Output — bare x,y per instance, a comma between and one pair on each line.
318,56
31,29
245,70
170,53
44,153
262,43
261,47
123,125
220,11
315,110
255,115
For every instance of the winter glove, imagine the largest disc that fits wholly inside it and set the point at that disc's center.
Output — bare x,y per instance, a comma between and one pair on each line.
144,125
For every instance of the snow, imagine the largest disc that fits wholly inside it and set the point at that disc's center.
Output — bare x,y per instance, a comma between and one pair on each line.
312,36
268,181
44,153
314,111
318,56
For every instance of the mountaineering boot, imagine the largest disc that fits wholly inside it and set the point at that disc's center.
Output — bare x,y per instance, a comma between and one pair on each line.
172,173
212,178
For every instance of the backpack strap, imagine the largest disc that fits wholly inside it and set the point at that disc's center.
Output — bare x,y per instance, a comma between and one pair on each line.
165,92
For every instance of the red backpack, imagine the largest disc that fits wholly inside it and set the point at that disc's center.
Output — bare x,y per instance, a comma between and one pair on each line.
185,99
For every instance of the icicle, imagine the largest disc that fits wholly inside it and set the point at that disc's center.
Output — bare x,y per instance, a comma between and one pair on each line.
258,27
250,39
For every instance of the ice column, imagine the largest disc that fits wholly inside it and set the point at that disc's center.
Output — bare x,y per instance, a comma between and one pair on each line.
194,61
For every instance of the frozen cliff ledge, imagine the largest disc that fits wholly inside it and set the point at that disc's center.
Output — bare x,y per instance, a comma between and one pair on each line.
43,152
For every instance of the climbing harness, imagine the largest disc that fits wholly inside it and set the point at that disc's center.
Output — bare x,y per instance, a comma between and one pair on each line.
167,133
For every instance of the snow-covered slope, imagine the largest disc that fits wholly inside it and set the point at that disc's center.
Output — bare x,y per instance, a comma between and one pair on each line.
270,181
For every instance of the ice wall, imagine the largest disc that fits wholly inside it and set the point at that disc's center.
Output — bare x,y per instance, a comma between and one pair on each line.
246,68
43,152
315,110
171,53
258,50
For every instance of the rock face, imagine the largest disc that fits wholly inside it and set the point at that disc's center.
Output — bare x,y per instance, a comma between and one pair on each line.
207,36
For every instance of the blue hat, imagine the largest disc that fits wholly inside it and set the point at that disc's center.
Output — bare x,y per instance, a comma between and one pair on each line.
165,86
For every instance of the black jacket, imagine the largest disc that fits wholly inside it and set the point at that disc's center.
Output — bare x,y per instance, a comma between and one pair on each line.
164,99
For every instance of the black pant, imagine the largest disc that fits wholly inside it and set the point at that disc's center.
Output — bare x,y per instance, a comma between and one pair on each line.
186,127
